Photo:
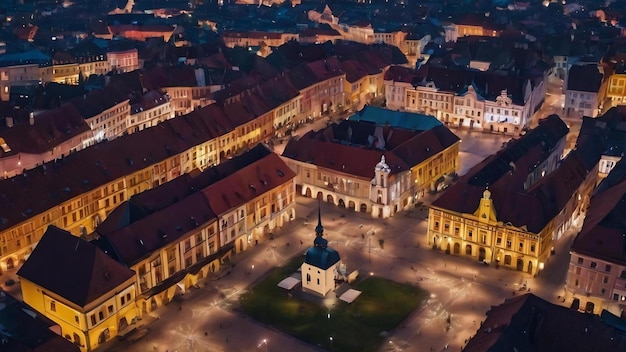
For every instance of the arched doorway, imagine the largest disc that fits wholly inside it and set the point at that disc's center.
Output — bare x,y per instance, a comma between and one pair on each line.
122,324
520,265
308,193
448,248
351,205
530,267
153,304
320,196
507,260
468,249
363,208
241,244
10,264
457,248
104,335
329,199
76,339
341,203
481,254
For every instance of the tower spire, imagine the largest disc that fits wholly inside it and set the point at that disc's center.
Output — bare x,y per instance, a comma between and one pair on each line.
319,229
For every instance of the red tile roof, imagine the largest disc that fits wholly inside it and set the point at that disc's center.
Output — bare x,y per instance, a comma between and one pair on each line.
88,169
404,74
74,268
529,323
167,212
148,101
159,229
603,233
50,129
326,69
355,70
247,183
177,76
504,175
344,147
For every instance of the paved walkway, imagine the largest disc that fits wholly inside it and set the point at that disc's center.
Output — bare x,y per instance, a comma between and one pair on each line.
461,291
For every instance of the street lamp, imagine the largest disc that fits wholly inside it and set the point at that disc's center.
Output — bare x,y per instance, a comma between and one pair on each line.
264,342
331,343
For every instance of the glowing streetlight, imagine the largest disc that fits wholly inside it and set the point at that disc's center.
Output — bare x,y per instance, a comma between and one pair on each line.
331,343
264,342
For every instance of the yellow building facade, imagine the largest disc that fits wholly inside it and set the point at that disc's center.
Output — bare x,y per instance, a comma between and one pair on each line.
192,246
82,213
92,299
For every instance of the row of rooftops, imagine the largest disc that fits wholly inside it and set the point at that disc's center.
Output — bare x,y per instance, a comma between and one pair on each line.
147,222
66,178
505,172
338,145
529,323
487,84
505,175
202,198
603,234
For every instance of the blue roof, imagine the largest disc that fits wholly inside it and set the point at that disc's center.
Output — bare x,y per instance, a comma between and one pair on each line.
24,58
397,119
322,258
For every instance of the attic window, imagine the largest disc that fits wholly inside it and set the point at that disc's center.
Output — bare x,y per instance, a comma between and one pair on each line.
263,182
67,189
280,173
141,242
252,187
107,275
179,228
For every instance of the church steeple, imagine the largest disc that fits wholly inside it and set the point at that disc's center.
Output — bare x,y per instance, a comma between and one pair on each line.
319,240
319,229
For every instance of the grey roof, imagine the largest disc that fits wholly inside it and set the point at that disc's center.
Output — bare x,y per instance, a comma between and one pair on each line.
322,258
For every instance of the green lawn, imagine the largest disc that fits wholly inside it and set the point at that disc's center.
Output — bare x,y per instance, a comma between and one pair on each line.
354,327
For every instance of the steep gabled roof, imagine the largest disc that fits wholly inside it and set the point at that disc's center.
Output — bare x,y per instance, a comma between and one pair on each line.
340,146
74,268
529,323
584,78
603,232
506,172
50,129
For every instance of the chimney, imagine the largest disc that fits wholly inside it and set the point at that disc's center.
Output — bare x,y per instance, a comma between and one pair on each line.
9,121
31,118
